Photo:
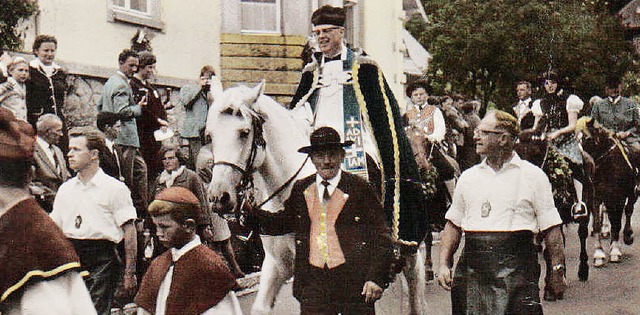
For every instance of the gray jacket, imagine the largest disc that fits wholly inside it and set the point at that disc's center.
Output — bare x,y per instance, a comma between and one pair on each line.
195,117
117,97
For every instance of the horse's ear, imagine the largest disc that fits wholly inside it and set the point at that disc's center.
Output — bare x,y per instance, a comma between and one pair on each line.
216,90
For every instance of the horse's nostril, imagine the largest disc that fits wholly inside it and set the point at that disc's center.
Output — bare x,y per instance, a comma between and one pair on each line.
225,198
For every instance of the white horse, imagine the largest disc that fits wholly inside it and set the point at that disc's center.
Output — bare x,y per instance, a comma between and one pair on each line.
256,139
252,135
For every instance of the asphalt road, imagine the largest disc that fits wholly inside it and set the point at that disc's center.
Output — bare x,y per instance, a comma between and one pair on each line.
611,290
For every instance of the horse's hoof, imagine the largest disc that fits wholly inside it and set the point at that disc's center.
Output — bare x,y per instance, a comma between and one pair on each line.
548,296
599,258
605,234
627,236
429,275
615,255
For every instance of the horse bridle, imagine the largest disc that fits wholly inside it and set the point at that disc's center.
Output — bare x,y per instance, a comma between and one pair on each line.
246,181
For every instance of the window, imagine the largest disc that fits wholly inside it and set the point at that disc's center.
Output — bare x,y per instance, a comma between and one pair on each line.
260,16
139,12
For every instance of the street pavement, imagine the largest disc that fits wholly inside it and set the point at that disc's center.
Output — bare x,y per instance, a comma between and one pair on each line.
611,290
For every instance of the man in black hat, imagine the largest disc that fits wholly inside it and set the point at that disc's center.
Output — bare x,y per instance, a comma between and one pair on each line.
346,90
343,245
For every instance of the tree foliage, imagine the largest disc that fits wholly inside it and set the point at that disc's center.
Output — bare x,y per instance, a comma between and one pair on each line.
12,13
482,48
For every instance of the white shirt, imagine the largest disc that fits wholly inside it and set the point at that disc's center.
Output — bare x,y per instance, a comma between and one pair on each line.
333,184
519,197
229,305
48,151
330,107
102,205
522,108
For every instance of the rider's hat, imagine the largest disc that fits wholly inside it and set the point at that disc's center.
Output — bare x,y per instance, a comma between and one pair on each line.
17,138
324,138
328,15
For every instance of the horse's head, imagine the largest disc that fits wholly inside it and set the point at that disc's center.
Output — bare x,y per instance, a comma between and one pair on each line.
596,139
237,144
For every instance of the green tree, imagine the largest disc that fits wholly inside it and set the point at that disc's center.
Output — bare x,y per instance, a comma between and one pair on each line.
12,13
482,48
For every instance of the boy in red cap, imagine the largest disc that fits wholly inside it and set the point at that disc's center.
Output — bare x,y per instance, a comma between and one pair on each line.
166,287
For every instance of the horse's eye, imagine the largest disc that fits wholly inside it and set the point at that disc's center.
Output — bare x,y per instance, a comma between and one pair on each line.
244,133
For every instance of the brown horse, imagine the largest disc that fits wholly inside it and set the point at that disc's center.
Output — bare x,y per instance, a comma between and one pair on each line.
537,151
614,182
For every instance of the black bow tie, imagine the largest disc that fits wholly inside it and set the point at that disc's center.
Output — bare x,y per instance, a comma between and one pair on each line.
336,57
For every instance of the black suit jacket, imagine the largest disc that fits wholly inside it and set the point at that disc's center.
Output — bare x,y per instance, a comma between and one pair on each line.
109,164
362,231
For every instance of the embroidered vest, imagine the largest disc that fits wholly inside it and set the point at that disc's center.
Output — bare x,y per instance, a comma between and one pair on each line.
422,119
324,246
32,248
200,281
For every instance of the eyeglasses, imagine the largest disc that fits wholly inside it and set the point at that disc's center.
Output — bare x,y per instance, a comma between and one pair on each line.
483,132
327,30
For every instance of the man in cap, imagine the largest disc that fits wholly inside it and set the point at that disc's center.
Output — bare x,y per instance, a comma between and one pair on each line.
39,273
499,204
620,114
334,87
343,245
95,211
166,287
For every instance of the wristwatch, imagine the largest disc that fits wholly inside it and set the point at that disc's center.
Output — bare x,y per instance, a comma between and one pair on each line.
558,267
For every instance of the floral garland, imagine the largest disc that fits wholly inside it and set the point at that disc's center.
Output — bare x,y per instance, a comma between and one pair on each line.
429,181
560,176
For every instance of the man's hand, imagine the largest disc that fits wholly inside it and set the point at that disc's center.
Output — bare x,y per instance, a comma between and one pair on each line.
143,101
130,282
444,277
552,135
371,291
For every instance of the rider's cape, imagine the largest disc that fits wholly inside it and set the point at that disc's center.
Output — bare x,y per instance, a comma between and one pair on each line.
404,202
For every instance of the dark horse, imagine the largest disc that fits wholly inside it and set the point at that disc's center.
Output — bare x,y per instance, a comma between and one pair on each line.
537,151
433,187
614,182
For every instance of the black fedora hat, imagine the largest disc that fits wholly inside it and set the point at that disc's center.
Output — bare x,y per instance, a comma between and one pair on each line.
324,138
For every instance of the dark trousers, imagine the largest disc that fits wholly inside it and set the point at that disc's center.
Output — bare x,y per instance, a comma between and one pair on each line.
498,273
134,172
100,259
329,292
195,144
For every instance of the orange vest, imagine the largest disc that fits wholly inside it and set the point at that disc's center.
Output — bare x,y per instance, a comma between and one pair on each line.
324,246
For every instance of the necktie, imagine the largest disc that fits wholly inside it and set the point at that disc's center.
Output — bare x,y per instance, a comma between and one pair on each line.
325,195
55,159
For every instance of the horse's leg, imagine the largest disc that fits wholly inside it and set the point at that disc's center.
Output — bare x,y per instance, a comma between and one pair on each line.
277,267
428,263
583,233
413,271
615,216
627,234
599,257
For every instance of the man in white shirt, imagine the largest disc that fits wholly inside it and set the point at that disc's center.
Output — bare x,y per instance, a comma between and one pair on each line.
50,166
96,213
167,286
499,204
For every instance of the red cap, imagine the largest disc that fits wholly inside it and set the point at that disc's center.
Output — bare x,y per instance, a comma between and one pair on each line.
17,138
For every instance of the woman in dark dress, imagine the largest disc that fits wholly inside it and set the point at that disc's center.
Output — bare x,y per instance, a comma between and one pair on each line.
154,115
556,114
47,84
